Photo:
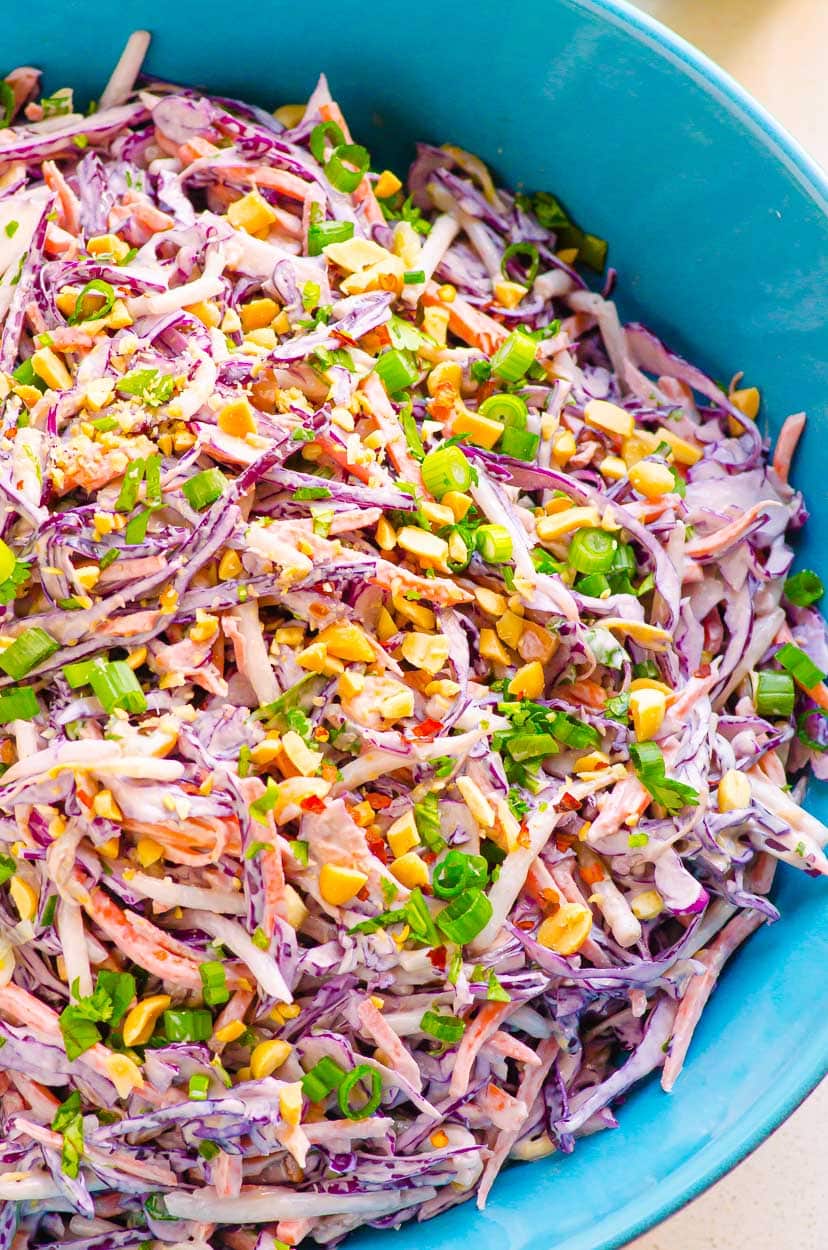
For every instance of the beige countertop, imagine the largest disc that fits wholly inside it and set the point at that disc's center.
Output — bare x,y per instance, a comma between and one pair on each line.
774,1200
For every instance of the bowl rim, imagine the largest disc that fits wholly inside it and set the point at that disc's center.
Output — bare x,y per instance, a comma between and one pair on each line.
717,81
813,180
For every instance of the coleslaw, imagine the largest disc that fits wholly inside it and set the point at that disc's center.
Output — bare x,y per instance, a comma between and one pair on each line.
405,693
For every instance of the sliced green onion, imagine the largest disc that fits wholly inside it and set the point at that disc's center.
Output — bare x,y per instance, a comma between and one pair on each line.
773,693
321,233
403,333
444,470
521,249
8,560
199,1087
28,650
648,762
593,584
800,665
531,746
495,993
8,867
519,444
208,1150
413,277
80,673
187,1025
544,563
575,733
624,561
68,1122
505,407
593,251
427,820
480,370
322,1079
104,424
149,385
96,287
47,916
305,493
325,132
116,686
266,802
514,356
412,435
156,1208
214,980
446,1028
204,488
457,872
152,478
350,1084
419,919
647,668
128,495
494,542
802,588
465,916
26,375
347,165
19,703
647,757
397,369
549,211
592,550
136,530
802,728
300,851
254,850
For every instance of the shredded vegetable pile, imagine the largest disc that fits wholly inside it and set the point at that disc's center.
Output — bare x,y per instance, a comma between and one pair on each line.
406,697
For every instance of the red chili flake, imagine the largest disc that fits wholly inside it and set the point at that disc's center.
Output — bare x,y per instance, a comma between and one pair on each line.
376,844
321,734
525,924
344,338
312,804
427,729
568,802
702,671
563,841
437,955
378,801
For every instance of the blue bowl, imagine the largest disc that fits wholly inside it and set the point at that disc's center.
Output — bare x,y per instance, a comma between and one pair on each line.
718,226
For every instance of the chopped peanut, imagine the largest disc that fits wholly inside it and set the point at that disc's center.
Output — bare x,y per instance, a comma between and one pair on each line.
602,415
567,929
410,870
268,1056
425,651
528,681
338,885
141,1019
734,791
251,213
476,801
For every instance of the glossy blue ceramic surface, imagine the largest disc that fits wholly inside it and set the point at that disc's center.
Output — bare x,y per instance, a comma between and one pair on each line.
718,228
